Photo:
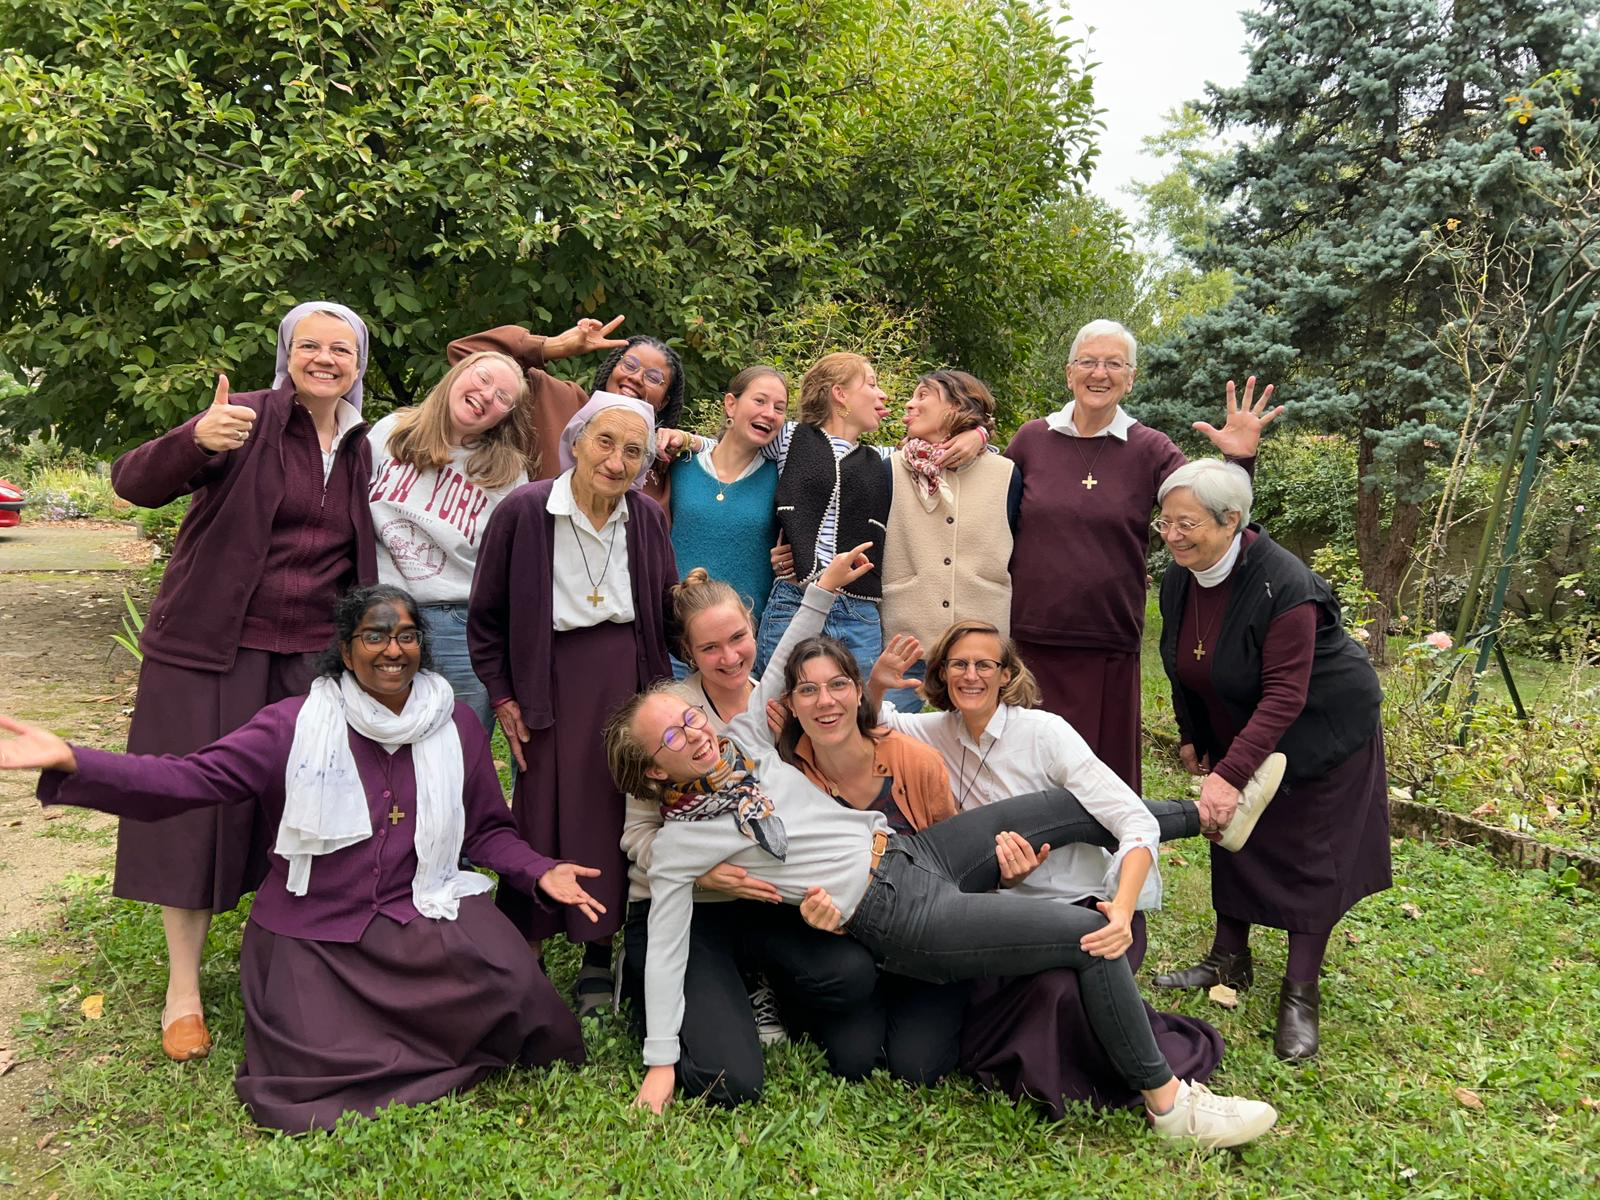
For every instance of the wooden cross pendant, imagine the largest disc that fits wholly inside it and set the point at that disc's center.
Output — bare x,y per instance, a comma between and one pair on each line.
1199,651
595,598
1089,481
395,815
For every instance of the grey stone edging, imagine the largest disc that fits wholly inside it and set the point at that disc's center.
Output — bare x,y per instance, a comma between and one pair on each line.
1410,818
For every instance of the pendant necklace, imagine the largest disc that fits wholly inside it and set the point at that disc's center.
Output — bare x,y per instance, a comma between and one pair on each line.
386,762
1201,633
967,790
595,597
1089,481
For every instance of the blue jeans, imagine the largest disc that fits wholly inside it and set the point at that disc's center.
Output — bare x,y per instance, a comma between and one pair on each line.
932,912
446,629
907,700
854,622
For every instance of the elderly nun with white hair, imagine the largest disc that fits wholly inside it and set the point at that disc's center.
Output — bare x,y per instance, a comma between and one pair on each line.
277,529
1089,477
1260,664
568,618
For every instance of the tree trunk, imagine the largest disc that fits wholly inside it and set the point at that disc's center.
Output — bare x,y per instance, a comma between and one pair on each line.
1383,553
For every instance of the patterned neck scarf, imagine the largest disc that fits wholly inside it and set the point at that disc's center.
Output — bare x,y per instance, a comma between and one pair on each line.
730,786
925,462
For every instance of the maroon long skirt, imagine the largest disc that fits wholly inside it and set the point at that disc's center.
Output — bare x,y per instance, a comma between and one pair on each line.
407,1014
1096,692
1321,845
565,804
211,857
1029,1038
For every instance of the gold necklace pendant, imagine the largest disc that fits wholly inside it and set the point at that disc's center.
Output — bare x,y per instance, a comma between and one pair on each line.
1089,481
1199,650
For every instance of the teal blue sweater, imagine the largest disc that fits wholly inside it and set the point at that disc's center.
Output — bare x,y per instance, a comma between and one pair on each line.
731,538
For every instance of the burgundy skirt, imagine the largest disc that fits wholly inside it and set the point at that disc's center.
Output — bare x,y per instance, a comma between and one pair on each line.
1029,1038
211,857
408,1014
1321,845
565,804
1097,692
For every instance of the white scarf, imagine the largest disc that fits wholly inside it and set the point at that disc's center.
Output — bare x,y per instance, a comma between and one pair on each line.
1222,568
325,804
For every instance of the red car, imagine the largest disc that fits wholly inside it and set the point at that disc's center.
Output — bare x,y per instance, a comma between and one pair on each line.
11,502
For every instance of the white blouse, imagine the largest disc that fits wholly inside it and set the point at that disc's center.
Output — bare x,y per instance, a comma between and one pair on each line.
591,583
1027,750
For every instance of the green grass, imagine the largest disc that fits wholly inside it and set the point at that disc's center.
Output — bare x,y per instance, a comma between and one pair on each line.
1491,988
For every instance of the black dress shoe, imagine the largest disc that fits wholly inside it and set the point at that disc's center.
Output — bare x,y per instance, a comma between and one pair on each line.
1231,969
1299,1015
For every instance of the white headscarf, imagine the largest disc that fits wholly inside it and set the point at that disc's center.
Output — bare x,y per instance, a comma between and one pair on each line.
597,404
325,804
280,371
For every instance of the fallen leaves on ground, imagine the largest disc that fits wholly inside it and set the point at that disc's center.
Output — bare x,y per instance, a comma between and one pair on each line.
1411,910
1468,1098
93,1006
1224,995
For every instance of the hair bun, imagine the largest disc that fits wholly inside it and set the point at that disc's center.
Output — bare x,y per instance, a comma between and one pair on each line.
695,578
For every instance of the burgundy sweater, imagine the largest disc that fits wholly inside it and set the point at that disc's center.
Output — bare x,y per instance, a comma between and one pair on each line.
349,887
225,542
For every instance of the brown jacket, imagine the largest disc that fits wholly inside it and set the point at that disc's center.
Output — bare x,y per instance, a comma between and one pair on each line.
921,785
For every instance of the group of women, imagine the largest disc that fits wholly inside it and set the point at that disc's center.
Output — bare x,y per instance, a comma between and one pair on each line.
789,760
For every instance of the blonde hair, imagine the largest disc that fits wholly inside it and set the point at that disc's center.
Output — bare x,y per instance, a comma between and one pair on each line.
1020,691
840,369
626,757
421,434
694,595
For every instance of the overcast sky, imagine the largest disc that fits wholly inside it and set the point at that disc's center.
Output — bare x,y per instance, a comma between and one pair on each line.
1153,55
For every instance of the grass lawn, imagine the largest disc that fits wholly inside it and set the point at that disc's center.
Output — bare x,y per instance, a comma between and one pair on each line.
1491,987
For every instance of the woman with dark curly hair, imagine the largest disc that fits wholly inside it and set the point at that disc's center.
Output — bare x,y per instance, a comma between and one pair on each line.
638,366
375,971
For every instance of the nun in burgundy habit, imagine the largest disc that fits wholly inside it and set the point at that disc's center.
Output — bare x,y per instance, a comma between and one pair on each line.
1089,479
374,970
1259,662
278,527
568,619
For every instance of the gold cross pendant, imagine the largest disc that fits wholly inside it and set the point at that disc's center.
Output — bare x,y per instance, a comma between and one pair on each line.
1199,651
595,598
1089,481
395,815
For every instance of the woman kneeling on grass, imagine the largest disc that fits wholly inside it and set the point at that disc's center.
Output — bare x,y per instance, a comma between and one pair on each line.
374,971
923,903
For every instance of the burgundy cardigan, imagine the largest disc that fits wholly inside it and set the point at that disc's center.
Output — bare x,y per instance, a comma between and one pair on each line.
510,627
349,887
222,546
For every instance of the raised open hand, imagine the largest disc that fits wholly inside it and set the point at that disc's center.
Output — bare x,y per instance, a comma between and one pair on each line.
1240,435
224,426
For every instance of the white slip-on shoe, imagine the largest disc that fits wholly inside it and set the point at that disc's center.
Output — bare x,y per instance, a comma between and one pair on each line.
1215,1122
1257,793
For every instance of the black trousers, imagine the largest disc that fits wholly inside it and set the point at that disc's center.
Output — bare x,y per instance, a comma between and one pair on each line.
824,984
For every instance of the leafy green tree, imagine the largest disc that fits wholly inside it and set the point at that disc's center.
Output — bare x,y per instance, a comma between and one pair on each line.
174,175
1374,126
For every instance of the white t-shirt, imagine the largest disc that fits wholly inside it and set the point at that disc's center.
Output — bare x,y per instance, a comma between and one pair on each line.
428,523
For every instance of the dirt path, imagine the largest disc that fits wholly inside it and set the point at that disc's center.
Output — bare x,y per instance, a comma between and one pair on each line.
60,668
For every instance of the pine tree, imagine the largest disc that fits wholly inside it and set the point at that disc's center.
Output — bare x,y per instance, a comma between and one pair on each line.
1378,125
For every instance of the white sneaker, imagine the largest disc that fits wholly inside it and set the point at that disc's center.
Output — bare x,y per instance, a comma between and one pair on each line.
1214,1121
1258,792
769,1025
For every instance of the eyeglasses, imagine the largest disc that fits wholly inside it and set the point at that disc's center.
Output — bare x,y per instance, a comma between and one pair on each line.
1185,527
376,639
653,375
985,667
497,397
676,737
1113,365
838,687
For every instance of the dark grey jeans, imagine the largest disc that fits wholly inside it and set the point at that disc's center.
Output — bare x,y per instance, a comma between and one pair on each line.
931,912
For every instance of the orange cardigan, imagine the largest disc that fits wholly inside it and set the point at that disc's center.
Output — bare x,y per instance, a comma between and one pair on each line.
921,785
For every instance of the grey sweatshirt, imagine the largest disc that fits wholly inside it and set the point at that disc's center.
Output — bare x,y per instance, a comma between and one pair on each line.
830,846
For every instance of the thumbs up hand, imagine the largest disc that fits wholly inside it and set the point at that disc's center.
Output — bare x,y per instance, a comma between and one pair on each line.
224,426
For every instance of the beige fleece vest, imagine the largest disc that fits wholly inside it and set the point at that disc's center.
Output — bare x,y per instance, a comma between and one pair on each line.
952,563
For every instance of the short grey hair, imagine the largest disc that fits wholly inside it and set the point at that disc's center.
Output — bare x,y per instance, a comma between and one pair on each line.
1219,486
1105,328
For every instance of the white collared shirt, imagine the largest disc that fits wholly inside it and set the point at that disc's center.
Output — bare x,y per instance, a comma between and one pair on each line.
1025,750
580,565
346,416
1061,421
